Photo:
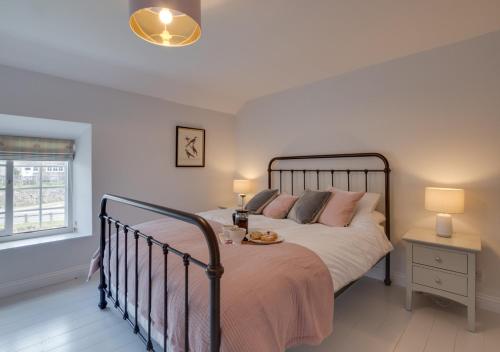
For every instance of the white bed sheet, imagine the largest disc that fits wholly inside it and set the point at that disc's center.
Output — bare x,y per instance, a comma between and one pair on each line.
348,252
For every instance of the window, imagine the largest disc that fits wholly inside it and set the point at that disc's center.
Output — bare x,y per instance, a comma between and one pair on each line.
3,184
35,187
34,197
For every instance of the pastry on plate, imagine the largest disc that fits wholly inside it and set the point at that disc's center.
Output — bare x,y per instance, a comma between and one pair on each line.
256,235
269,236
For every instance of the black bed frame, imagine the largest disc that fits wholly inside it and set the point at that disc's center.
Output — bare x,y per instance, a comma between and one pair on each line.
213,268
348,172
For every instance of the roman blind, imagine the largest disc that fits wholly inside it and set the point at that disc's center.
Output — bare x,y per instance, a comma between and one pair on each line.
33,148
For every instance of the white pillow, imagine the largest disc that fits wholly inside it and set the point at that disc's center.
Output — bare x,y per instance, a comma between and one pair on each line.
378,217
375,217
368,203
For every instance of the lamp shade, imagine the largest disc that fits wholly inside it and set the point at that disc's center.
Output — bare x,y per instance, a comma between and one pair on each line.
241,186
166,22
444,200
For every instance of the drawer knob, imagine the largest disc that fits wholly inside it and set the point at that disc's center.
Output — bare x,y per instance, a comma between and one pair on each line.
437,280
438,259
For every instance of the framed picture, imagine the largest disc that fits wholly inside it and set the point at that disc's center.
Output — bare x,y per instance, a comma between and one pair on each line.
190,147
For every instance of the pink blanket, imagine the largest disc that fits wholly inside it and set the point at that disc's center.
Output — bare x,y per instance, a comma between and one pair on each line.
272,297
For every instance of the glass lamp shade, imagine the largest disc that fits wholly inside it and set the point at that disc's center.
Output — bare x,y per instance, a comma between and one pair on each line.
444,200
171,23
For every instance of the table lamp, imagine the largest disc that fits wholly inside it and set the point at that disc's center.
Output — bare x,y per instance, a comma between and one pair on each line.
444,201
242,187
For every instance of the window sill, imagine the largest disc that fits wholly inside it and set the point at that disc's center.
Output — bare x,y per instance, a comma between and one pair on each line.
41,240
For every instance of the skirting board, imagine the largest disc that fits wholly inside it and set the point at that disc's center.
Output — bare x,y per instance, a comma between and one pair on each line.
32,283
486,302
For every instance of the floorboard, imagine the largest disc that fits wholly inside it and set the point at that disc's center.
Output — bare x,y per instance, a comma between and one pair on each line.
368,317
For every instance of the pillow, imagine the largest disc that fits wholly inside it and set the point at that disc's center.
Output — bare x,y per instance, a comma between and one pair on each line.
378,217
260,200
340,208
280,206
368,203
362,218
308,206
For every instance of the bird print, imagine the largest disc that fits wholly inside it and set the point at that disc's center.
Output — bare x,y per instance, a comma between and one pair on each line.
190,147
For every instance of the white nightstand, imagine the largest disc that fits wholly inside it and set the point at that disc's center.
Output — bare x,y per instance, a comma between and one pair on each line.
442,266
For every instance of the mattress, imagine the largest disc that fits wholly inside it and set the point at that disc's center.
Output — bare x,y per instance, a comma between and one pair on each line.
348,252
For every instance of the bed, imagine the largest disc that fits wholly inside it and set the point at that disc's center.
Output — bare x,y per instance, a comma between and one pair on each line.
347,252
174,290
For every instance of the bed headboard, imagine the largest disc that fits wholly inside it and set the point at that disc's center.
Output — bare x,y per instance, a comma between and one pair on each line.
355,171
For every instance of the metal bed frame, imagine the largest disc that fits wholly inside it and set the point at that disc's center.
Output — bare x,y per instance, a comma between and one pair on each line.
348,172
213,268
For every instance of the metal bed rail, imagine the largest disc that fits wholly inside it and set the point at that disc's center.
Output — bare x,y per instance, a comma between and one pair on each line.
213,269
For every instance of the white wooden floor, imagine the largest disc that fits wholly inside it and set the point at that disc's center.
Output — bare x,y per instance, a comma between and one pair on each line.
368,317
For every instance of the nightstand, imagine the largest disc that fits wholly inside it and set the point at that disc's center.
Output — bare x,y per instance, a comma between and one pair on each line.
442,266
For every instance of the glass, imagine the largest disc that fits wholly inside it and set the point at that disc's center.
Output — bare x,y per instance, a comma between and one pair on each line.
26,174
54,174
3,183
240,218
2,201
26,199
3,177
53,197
25,221
53,218
39,196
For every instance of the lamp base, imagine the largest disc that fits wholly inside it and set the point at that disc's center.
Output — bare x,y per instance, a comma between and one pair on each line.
444,225
242,196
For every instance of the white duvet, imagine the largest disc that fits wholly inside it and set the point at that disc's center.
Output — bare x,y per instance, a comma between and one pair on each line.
348,252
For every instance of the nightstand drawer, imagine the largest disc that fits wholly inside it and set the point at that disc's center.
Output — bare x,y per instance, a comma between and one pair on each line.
438,279
439,258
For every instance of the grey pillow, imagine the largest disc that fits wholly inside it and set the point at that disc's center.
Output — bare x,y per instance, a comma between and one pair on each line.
308,206
260,200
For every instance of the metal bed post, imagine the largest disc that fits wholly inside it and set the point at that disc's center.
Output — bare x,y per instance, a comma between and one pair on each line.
102,276
387,171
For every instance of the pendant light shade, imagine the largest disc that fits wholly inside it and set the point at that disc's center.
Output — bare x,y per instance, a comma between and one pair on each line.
166,22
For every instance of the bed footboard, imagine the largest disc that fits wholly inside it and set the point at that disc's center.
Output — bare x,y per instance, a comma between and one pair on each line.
124,233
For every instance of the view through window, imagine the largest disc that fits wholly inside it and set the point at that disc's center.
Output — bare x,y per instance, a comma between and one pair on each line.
34,196
3,183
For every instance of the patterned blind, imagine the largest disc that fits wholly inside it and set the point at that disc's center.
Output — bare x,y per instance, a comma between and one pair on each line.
32,148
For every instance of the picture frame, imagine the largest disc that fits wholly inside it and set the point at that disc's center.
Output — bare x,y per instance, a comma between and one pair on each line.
189,147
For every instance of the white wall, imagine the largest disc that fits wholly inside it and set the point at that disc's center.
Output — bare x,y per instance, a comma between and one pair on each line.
435,115
133,155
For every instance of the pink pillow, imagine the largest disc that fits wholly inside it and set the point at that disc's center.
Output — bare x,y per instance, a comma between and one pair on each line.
280,206
340,208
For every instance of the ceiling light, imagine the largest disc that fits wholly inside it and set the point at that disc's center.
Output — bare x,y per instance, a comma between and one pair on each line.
166,22
166,16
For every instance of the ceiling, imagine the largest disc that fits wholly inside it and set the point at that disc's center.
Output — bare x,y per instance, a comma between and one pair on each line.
248,49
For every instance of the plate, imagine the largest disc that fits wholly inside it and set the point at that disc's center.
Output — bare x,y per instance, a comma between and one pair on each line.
278,240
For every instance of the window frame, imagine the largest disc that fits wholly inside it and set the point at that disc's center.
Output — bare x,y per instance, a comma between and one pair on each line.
7,234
